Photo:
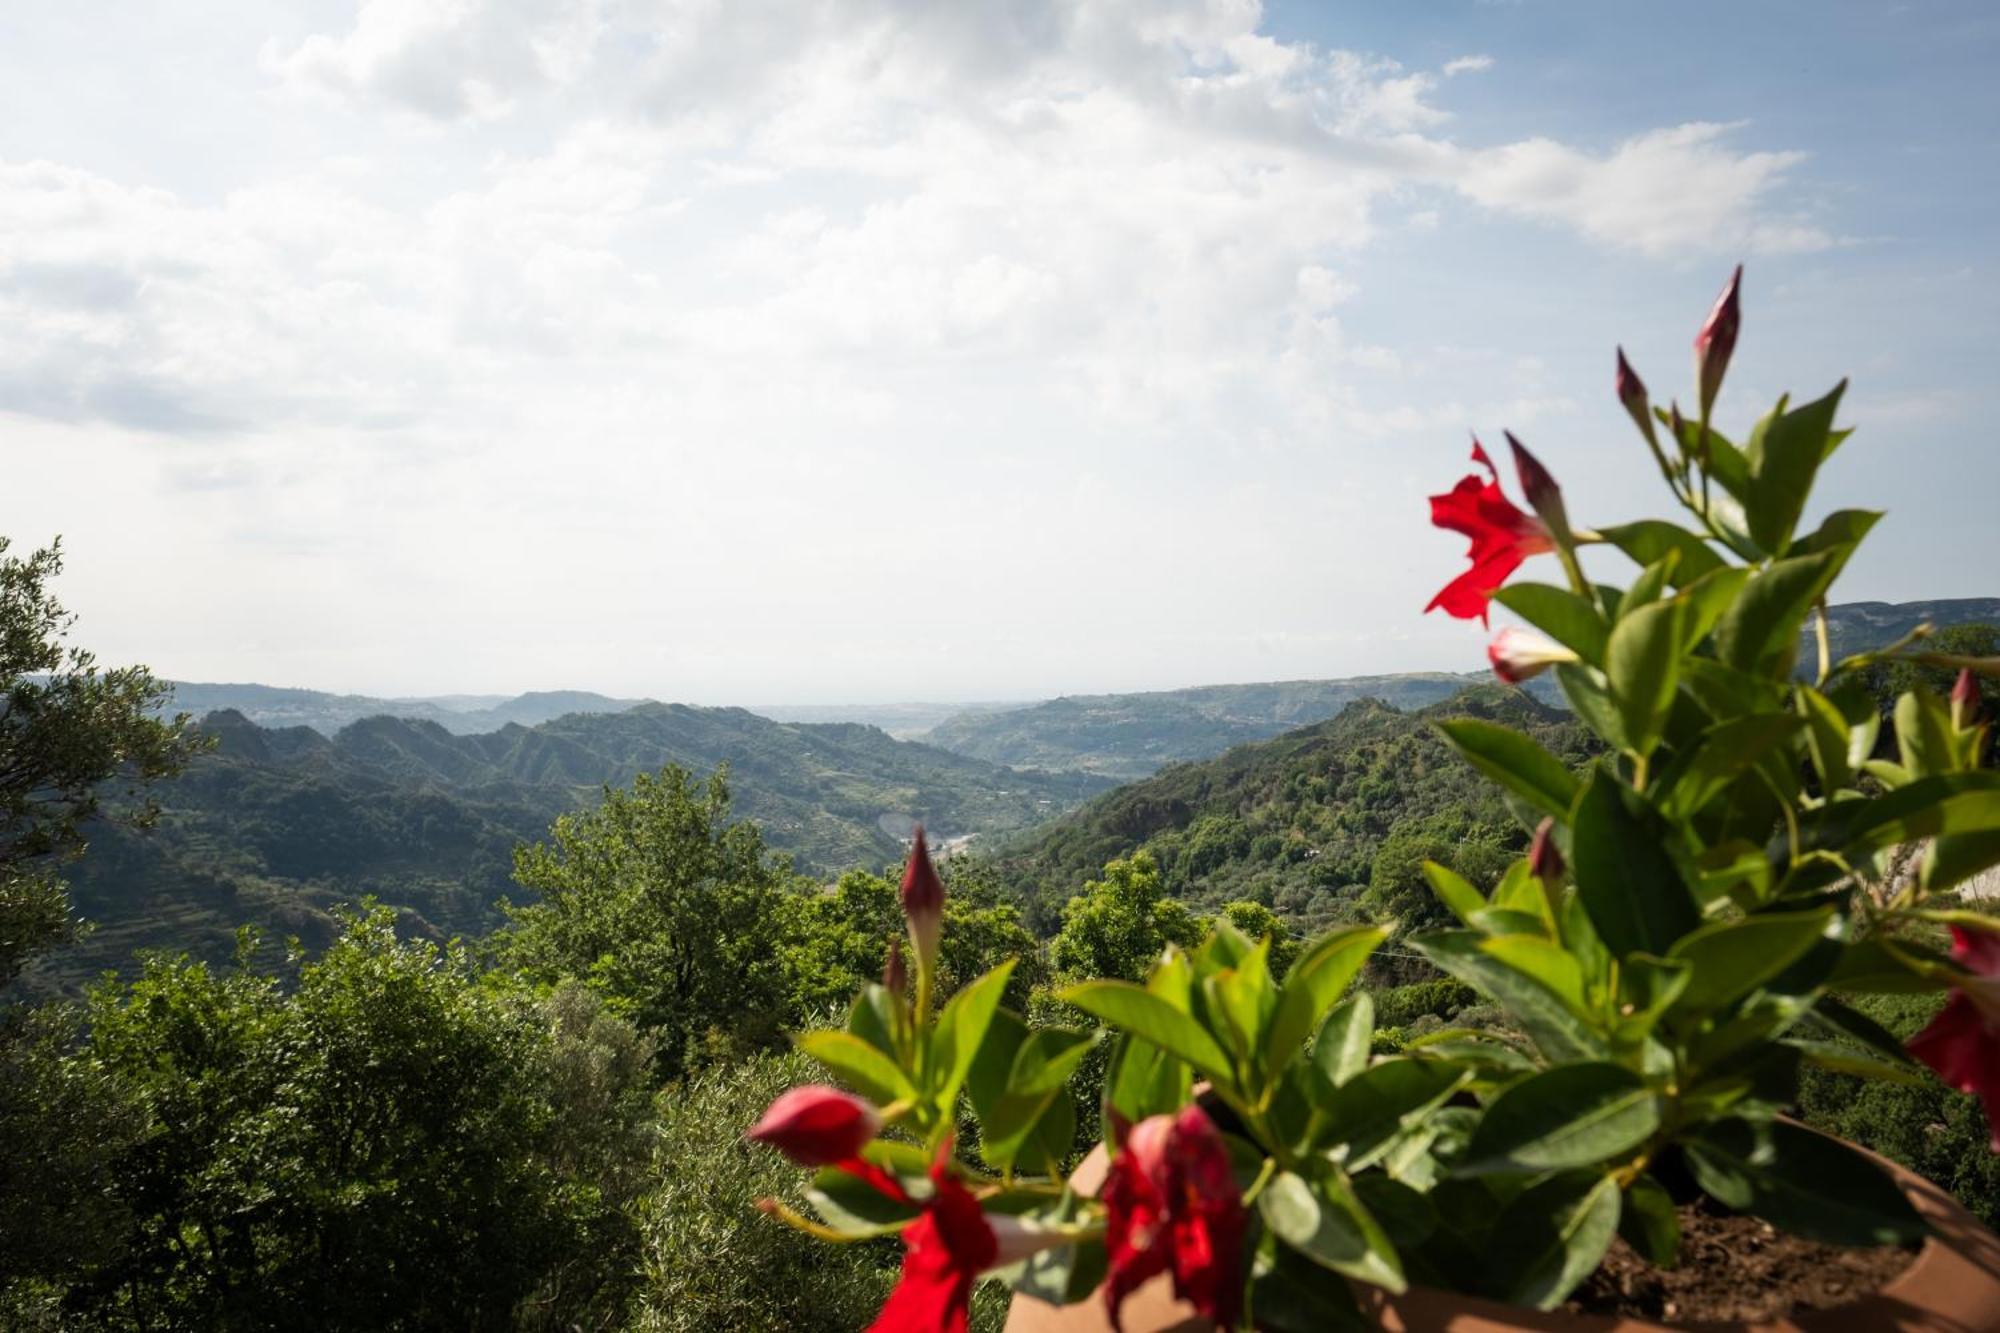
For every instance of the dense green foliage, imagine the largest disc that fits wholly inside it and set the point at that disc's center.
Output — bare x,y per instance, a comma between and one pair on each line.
1301,824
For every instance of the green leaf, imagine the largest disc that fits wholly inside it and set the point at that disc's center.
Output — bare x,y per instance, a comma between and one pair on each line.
961,1028
1826,738
1732,958
1403,1212
1649,539
1624,874
871,1018
1245,999
858,1064
1545,961
1802,1182
1590,698
1515,762
1844,1059
1369,1110
1760,632
1136,1010
1641,663
1292,1294
1551,1236
1555,1027
1454,891
1571,1116
1315,981
1924,734
1843,527
854,1207
1649,1222
1342,1048
1572,621
1717,758
1144,1080
1784,453
1707,598
1323,1221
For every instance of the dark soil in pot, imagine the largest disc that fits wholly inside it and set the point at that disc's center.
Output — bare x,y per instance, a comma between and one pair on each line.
1736,1268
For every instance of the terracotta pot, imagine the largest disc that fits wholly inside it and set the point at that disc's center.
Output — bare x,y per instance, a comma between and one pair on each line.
1952,1287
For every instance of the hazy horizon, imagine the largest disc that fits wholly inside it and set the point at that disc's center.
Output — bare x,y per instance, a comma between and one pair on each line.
897,353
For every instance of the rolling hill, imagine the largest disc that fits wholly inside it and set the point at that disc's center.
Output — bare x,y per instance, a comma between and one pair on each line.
326,713
277,825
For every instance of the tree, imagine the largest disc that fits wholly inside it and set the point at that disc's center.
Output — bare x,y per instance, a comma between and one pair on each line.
71,735
396,1143
1118,925
661,904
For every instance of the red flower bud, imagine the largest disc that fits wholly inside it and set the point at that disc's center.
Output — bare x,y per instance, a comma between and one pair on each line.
923,900
816,1125
1544,496
895,976
1965,700
1519,654
1543,858
1632,393
1717,340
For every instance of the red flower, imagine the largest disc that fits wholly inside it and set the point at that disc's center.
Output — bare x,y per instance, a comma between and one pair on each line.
1963,1042
1502,537
923,900
944,1252
1172,1205
1717,340
816,1125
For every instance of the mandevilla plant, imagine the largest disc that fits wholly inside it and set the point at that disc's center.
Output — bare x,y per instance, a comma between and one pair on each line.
1667,956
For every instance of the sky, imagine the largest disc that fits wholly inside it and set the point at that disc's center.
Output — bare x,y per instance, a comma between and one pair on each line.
872,350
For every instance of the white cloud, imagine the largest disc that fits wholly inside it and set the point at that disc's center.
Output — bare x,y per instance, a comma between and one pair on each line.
1467,65
674,282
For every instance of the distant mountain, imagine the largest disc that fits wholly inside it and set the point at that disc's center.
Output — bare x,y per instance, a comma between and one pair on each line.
1132,735
463,714
278,824
1300,822
903,721
1854,627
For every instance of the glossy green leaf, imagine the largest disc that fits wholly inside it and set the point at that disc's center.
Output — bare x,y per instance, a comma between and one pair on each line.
1640,662
1760,632
1342,1047
1626,878
1802,1182
1571,1116
858,1064
1315,980
1369,1110
1649,539
1514,761
1570,620
1732,958
1292,1294
1136,1010
1556,1028
1144,1080
1324,1221
961,1029
1454,891
1649,1222
1718,757
1784,454
1551,1236
855,1208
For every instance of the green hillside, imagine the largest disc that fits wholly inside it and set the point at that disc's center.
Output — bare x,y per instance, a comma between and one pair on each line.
1132,735
276,826
1317,824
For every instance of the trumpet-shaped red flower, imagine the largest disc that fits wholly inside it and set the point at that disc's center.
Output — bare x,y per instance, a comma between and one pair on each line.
944,1252
815,1125
1172,1206
1963,1042
1502,537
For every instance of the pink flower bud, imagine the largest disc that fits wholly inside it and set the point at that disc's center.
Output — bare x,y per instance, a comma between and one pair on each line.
923,900
1717,340
1543,858
1519,654
895,976
1544,496
1965,700
816,1125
